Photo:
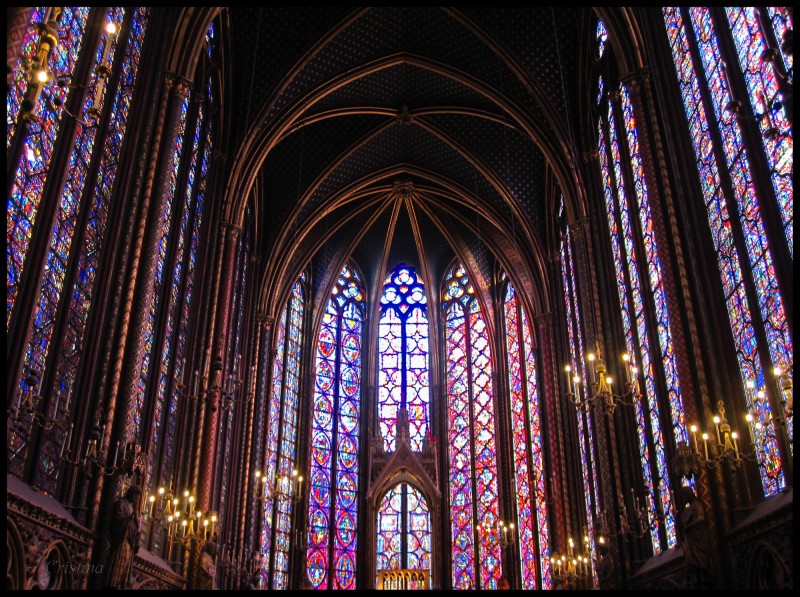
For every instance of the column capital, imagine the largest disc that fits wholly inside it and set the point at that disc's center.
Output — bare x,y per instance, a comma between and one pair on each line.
181,85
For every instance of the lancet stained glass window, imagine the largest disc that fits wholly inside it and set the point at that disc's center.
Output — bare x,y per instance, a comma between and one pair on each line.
472,455
336,424
403,530
40,139
282,441
735,202
403,356
164,236
643,304
577,371
174,289
162,399
79,224
529,474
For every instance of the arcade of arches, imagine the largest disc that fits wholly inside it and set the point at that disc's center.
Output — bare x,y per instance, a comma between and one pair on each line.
399,298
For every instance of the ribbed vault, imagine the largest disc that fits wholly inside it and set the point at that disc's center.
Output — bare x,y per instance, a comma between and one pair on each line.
373,129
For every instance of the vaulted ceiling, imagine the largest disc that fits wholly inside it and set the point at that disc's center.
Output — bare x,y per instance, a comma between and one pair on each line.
401,133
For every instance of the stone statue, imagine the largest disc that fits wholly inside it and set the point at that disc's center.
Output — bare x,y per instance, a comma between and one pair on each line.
124,539
693,535
207,571
605,566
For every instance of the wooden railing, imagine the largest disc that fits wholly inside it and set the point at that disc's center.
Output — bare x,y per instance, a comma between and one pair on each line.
404,580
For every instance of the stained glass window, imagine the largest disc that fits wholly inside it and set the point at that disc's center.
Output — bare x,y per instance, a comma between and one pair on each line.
403,530
78,232
473,487
164,363
162,399
20,75
334,471
577,371
40,139
233,366
734,201
780,17
602,38
634,316
193,223
165,223
529,475
403,356
643,305
767,99
282,440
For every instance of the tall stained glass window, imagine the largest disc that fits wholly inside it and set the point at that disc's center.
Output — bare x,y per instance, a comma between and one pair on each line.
403,530
640,288
529,475
177,294
165,223
576,370
472,455
334,472
77,234
403,356
281,449
739,205
40,137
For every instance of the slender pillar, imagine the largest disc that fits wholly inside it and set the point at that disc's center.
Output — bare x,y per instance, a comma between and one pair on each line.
247,485
211,423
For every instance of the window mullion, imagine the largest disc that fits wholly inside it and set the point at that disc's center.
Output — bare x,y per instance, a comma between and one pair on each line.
334,439
471,417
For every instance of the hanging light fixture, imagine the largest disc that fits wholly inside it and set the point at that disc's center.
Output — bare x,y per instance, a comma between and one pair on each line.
103,72
601,384
38,71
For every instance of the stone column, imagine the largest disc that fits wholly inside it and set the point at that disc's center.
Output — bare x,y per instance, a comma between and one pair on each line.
211,421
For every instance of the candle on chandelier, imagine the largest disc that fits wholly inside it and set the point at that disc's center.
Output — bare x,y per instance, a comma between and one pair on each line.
55,407
727,78
568,369
628,364
66,443
590,357
111,29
